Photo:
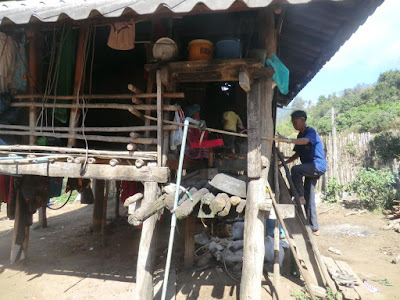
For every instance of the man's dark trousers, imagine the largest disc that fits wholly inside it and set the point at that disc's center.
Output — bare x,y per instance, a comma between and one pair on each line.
307,190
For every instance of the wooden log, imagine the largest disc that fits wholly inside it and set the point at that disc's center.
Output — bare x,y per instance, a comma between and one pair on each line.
219,202
226,209
170,198
93,97
64,169
100,138
146,210
254,232
190,224
117,198
241,206
139,163
145,155
159,118
20,237
244,80
149,89
134,89
104,211
186,207
99,199
131,147
89,129
133,199
128,107
113,162
147,247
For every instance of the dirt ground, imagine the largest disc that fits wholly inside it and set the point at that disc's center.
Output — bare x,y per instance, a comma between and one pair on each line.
67,261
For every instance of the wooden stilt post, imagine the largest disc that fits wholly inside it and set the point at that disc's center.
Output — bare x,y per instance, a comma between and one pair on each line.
33,67
98,204
104,212
79,68
145,264
43,215
190,223
20,238
254,228
117,197
159,118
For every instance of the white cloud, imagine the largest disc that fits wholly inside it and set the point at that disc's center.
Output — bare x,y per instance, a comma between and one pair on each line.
375,43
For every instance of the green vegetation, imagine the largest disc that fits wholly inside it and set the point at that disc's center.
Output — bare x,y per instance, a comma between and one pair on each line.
64,196
374,188
373,108
333,188
302,295
387,146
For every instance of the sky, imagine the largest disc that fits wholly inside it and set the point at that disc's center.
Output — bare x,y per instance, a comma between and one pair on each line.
371,50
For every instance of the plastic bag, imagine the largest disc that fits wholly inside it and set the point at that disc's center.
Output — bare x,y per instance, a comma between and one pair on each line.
176,135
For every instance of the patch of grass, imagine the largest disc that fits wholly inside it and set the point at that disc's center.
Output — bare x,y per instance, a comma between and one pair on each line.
64,196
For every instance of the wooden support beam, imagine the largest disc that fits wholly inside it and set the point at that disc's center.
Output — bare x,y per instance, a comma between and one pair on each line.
147,247
20,237
128,107
32,78
117,197
254,229
99,199
149,89
148,95
79,70
190,224
244,80
107,172
159,118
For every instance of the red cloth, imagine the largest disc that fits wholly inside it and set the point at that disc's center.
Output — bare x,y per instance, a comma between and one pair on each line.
207,144
129,188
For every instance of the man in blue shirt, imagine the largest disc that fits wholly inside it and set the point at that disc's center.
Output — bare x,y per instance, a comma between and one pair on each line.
309,148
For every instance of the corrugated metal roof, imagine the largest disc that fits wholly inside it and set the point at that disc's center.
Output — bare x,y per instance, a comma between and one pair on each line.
23,12
310,36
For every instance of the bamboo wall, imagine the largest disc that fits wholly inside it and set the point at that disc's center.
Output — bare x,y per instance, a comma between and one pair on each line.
353,151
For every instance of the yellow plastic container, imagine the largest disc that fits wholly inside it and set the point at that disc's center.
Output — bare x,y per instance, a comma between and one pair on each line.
201,50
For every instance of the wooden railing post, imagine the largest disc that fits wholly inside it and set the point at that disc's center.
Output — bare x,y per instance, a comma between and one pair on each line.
79,70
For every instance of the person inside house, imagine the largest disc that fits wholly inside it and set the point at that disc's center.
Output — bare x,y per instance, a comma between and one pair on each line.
195,135
231,122
309,148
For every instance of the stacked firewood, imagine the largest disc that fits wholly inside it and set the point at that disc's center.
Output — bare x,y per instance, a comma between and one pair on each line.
394,216
204,201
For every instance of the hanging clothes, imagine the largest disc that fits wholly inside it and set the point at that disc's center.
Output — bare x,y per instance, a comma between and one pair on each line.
19,81
122,36
7,61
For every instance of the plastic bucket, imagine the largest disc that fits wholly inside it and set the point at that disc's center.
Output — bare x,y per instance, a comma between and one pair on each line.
228,49
201,50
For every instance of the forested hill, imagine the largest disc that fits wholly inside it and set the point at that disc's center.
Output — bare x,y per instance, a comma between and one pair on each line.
374,108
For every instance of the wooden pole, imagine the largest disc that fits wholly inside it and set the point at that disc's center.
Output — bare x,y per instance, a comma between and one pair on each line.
117,197
147,247
99,199
159,118
97,106
89,129
334,151
276,280
104,212
148,95
188,259
79,70
254,233
149,89
33,76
